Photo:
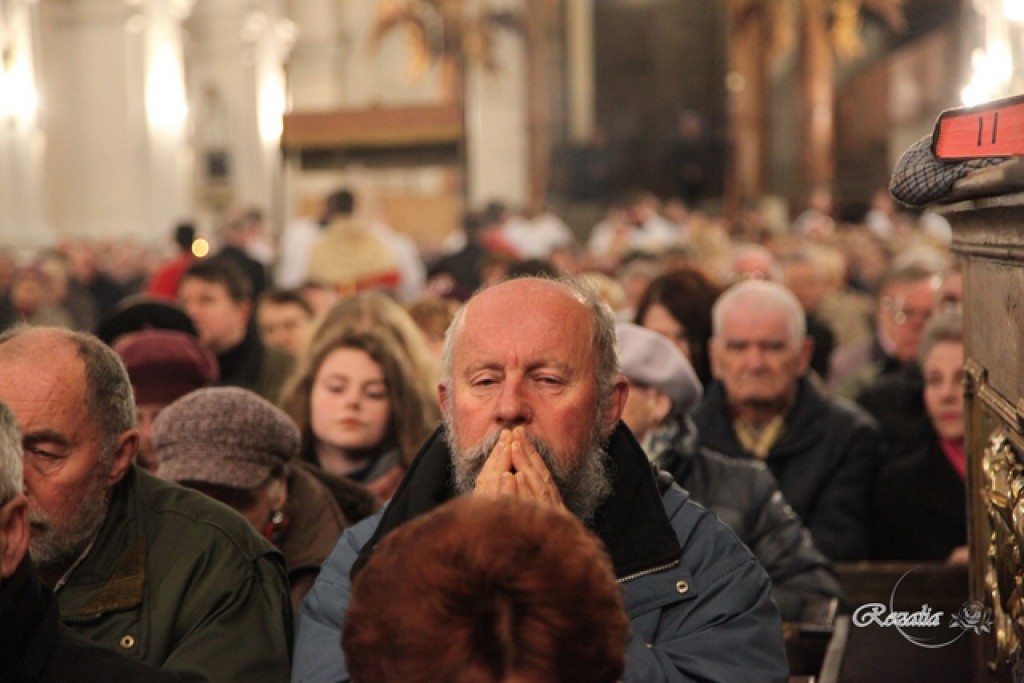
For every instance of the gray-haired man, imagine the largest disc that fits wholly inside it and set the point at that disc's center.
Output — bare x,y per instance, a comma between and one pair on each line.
139,565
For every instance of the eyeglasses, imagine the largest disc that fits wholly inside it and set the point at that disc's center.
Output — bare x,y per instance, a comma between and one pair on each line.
902,315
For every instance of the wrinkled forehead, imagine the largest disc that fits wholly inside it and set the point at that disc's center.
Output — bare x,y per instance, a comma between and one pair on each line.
39,345
529,320
761,322
42,368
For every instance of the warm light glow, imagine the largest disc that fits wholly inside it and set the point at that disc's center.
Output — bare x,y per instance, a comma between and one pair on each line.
973,94
271,106
989,72
166,106
1014,10
1000,62
200,247
994,29
19,100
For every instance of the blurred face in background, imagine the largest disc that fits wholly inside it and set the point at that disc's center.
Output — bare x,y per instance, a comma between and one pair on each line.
905,310
755,358
807,283
220,320
29,292
943,371
283,325
646,408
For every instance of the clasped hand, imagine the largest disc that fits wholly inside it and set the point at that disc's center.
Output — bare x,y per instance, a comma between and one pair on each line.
515,468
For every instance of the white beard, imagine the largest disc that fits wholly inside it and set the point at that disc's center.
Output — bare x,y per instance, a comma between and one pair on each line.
583,489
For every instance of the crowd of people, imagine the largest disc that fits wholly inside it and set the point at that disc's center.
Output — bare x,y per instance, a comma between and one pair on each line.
231,466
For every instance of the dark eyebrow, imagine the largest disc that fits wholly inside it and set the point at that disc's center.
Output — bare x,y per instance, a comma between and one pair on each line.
45,436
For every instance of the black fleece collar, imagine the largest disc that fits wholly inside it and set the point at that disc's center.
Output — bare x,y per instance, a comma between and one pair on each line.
632,522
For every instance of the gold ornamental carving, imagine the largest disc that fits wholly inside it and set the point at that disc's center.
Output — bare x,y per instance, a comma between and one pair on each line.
1004,575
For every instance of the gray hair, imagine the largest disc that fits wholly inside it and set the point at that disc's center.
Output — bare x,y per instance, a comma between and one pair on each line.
109,398
747,249
767,295
606,367
905,274
944,326
10,456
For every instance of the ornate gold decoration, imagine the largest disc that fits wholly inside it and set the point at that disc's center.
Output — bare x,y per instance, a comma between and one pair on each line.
439,30
843,18
1004,575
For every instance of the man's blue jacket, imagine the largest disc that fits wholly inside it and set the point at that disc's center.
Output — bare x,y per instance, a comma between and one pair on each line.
698,601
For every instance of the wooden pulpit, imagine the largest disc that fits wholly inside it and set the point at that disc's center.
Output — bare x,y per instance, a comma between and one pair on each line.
987,217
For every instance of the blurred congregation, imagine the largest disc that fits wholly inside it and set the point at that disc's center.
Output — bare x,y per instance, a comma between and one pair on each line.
801,381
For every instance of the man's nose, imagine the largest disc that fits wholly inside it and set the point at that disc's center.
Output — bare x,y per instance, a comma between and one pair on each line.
513,408
754,356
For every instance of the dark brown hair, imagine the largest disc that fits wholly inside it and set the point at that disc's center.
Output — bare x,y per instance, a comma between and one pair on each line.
483,589
411,410
688,295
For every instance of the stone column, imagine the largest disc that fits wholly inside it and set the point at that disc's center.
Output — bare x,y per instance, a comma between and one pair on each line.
22,221
496,122
116,117
237,81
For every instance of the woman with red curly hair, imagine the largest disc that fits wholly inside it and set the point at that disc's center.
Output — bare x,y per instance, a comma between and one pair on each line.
485,590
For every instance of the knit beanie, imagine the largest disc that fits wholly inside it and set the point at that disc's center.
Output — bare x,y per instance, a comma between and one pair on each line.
224,435
164,365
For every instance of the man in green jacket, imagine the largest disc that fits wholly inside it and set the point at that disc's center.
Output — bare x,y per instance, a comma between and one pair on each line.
139,565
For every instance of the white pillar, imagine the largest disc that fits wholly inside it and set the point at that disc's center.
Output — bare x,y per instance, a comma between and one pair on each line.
168,162
116,157
22,221
236,63
496,123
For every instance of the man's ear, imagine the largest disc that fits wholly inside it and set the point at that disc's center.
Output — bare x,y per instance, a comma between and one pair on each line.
661,406
14,534
124,450
278,494
620,392
442,398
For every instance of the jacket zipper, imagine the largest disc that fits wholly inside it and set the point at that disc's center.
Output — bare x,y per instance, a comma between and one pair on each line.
647,572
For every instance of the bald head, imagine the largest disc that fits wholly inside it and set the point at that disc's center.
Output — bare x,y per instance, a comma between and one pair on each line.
541,303
105,384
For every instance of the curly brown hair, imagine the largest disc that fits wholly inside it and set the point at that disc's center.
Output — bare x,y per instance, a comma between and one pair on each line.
498,589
